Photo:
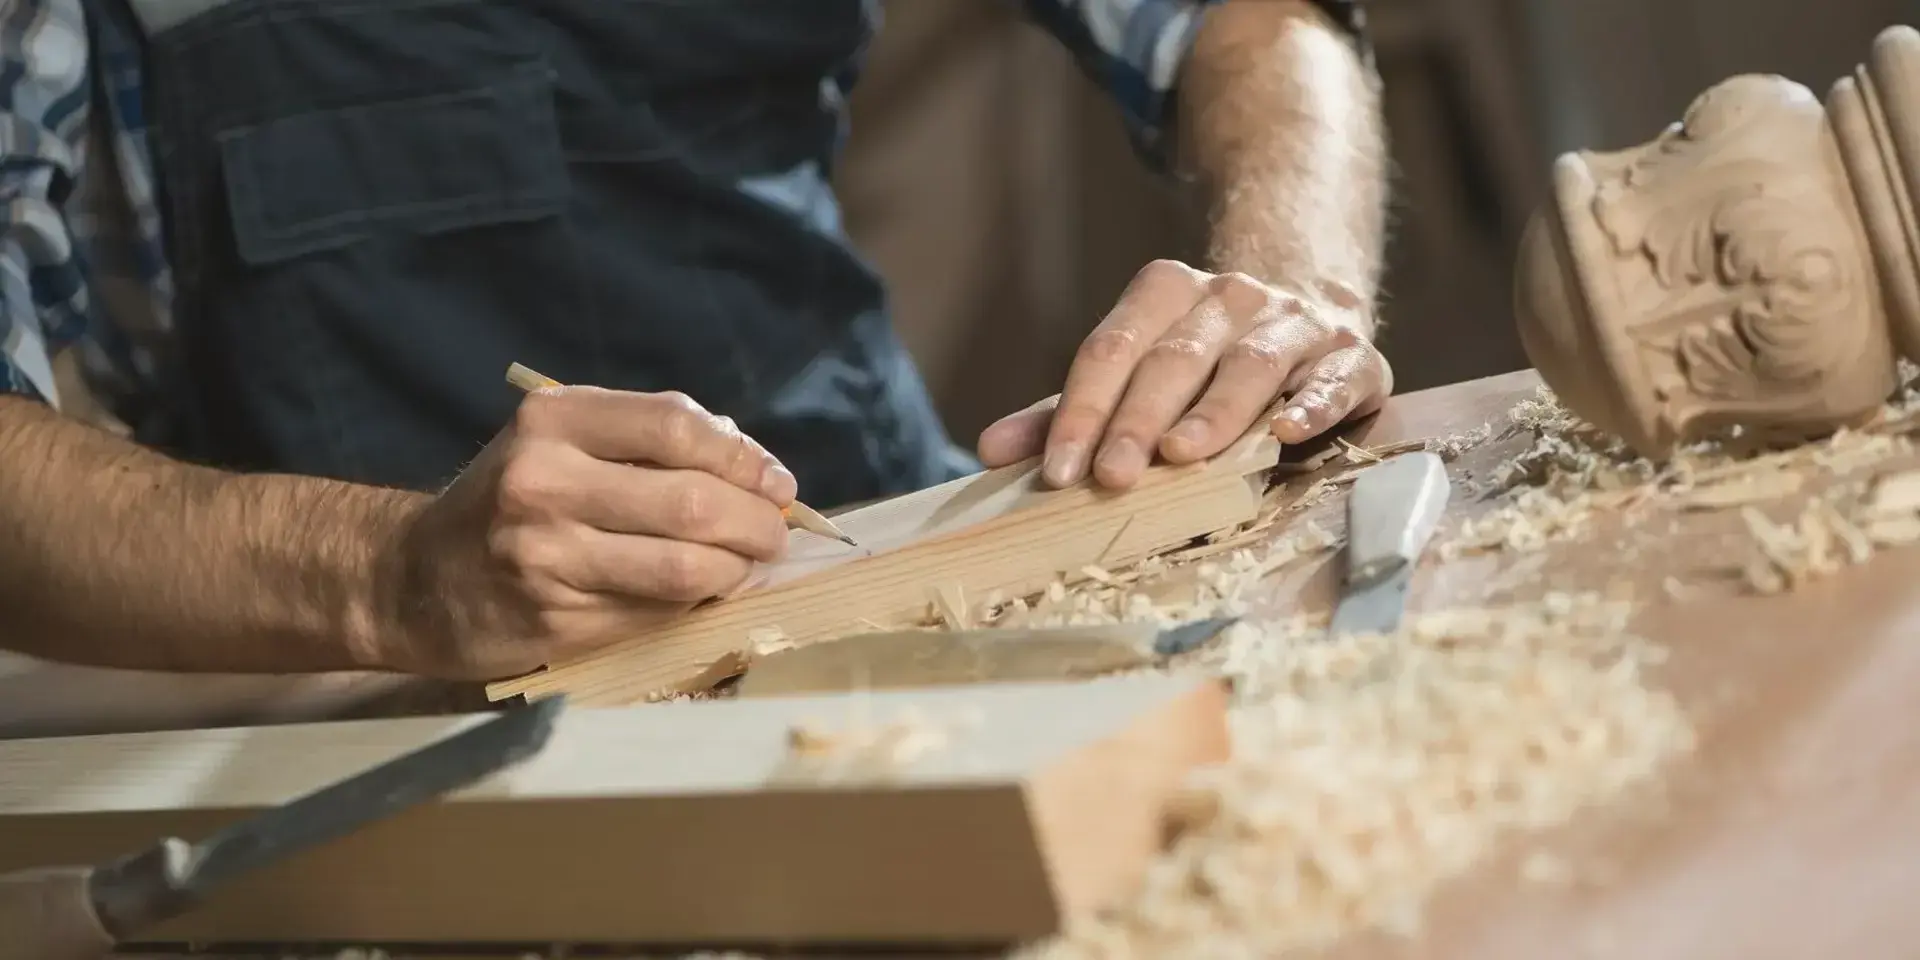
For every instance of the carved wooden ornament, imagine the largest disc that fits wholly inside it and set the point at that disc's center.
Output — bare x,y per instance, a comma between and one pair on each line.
1757,265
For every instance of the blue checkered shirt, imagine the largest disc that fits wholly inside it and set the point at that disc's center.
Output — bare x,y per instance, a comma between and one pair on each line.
83,267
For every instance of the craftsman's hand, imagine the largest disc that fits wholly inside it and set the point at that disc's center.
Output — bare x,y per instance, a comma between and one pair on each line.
593,515
1184,365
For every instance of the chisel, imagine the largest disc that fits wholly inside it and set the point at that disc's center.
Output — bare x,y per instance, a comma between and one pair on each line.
81,913
1392,513
799,515
927,658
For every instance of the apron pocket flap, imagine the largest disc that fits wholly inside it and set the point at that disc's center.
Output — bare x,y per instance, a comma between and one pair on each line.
314,181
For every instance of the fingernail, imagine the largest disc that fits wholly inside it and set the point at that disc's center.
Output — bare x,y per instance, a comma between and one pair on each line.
1292,422
1190,430
777,483
1122,457
1062,464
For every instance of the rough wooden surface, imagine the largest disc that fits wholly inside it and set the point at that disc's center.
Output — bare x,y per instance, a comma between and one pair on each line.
798,819
1790,832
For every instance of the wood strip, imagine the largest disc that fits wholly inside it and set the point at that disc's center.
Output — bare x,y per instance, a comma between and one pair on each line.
999,530
696,822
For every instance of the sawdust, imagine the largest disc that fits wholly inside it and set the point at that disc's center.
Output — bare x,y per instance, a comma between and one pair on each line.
1574,481
1368,769
1843,527
862,748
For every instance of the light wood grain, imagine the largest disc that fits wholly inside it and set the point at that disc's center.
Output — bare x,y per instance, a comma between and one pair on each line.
999,530
684,822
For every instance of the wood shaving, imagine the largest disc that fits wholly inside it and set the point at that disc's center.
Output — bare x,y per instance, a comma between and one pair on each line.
1357,455
1741,490
1529,520
1368,769
1841,528
1544,868
950,607
1574,474
1451,447
767,641
861,748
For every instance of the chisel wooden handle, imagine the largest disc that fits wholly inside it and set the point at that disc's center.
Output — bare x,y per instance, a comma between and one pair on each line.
47,914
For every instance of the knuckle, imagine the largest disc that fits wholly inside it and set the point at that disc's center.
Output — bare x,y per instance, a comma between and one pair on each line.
680,430
685,575
1178,350
1167,271
525,487
1237,280
1109,345
1344,337
1317,399
746,463
1242,290
690,509
552,601
551,624
523,552
1262,354
1076,420
675,400
539,412
1288,305
1339,396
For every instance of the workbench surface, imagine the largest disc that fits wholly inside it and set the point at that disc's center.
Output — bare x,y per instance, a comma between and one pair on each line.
1793,828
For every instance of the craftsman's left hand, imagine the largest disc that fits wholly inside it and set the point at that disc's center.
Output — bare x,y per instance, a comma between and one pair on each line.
1185,363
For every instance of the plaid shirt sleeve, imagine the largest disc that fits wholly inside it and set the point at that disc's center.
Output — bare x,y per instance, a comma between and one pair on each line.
43,118
1134,49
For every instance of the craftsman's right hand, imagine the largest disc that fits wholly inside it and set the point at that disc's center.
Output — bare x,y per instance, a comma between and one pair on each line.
593,515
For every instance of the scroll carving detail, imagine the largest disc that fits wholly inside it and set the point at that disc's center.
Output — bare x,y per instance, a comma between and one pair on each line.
1718,275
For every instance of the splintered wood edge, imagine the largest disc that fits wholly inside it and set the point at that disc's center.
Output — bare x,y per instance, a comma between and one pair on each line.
705,646
673,824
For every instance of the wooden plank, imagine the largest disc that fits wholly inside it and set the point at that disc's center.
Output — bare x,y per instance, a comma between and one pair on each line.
696,822
999,530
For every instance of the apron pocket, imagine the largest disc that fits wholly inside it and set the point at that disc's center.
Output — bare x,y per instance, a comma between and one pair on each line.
388,260
315,181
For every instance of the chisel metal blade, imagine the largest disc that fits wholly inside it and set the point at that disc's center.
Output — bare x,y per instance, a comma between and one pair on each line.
1391,515
1188,637
1374,607
174,876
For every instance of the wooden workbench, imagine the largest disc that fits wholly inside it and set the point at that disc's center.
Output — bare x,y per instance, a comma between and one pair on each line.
1793,831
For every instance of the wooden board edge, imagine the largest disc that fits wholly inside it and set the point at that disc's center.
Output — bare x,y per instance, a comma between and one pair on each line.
1223,500
1252,455
1103,814
792,861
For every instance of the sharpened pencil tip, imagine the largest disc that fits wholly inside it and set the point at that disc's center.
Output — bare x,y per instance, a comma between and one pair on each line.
849,541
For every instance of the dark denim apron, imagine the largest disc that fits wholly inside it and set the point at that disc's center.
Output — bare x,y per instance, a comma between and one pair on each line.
374,206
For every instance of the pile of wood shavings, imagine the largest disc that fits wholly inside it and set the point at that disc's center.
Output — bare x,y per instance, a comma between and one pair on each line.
1843,527
1573,474
1368,769
1174,588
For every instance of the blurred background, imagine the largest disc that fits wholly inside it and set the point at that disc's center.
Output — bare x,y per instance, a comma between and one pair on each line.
996,190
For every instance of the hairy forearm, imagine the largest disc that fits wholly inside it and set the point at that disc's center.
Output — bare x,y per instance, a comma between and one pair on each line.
1280,123
112,555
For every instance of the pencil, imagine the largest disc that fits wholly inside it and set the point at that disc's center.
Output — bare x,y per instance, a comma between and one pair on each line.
799,515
